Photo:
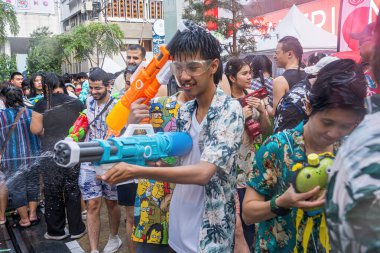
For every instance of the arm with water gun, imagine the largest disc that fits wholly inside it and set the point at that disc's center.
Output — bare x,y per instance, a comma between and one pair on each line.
145,84
79,129
129,148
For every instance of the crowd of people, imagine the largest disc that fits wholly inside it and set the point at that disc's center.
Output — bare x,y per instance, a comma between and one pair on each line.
234,191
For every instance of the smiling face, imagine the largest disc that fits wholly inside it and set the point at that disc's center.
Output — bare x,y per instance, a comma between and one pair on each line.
98,91
331,125
194,74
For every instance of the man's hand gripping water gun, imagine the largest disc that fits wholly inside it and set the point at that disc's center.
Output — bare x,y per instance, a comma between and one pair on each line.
145,85
136,149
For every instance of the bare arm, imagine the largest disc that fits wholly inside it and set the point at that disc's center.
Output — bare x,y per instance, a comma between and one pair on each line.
280,87
256,209
225,85
199,174
36,126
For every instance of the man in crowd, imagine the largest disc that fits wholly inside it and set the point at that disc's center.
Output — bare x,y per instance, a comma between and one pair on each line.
202,210
16,80
135,55
99,104
288,55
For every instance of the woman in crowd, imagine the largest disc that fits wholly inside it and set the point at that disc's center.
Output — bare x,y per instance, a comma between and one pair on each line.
35,85
336,106
239,76
18,150
261,67
56,113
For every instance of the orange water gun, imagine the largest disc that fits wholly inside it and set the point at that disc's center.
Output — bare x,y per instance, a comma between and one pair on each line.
79,129
145,85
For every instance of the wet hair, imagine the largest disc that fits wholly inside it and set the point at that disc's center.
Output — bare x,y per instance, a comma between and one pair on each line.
158,227
13,97
15,74
314,58
138,47
33,91
261,64
340,84
196,40
51,81
98,74
290,43
233,66
376,52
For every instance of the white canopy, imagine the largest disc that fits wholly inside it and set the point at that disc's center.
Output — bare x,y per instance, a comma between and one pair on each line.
296,24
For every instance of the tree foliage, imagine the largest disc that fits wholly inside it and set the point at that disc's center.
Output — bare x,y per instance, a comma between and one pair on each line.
7,66
92,42
44,53
7,19
233,25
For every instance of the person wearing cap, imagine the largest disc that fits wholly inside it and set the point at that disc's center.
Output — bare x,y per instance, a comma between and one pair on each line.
291,109
366,48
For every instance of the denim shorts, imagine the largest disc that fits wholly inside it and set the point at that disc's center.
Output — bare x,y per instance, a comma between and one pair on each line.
91,187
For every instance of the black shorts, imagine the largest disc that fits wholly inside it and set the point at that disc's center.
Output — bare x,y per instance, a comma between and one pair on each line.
126,194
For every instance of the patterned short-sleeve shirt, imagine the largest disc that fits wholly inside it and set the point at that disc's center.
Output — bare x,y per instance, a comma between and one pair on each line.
272,175
353,197
220,139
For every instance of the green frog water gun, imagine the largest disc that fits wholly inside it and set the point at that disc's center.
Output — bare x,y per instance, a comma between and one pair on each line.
312,173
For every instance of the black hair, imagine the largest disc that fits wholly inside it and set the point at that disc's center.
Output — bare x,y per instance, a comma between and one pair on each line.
15,74
3,86
219,73
66,78
339,84
13,97
233,66
51,81
376,52
157,227
25,85
263,63
249,58
82,75
137,47
33,91
314,58
196,40
98,74
290,43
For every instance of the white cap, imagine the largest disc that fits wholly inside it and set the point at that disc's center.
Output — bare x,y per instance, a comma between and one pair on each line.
313,70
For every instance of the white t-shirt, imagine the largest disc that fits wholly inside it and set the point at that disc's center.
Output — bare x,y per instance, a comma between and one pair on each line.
187,204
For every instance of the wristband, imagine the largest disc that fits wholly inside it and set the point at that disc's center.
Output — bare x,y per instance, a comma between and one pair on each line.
280,211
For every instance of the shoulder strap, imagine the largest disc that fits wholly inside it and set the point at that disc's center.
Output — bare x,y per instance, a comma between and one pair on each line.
11,130
100,114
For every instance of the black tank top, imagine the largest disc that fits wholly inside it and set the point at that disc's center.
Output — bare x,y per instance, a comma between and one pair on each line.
294,76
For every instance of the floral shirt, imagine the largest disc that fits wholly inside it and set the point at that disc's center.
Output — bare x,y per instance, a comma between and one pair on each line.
219,141
353,196
272,175
151,215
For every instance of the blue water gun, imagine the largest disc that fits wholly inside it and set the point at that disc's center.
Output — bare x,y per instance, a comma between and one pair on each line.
129,148
35,99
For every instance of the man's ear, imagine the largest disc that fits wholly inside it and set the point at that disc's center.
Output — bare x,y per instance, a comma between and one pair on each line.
214,66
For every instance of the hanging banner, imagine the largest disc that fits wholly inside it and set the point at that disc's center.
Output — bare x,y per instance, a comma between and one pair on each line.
158,35
32,6
355,15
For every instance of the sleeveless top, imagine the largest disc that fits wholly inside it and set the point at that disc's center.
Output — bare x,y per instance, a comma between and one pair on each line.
294,76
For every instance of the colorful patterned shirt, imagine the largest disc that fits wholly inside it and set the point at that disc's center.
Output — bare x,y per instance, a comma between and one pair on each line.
220,138
272,175
22,143
353,197
268,84
151,216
